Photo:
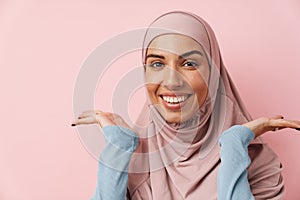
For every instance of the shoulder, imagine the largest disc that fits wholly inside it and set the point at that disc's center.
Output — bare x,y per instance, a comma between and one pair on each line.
264,172
262,157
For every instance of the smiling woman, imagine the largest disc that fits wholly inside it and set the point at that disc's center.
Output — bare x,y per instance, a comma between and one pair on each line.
194,106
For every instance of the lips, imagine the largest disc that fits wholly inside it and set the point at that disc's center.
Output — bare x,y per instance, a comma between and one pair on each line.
174,101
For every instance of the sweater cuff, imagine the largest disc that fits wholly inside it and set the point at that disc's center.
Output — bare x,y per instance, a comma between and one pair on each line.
237,132
123,138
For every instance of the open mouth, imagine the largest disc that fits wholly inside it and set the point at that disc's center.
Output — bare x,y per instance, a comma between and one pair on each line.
174,99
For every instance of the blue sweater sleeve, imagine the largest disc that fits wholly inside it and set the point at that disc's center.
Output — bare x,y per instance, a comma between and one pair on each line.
121,143
113,163
232,176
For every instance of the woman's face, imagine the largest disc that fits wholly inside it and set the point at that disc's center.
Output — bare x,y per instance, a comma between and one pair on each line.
177,73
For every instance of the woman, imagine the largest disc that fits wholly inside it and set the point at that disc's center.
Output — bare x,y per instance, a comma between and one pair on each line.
193,104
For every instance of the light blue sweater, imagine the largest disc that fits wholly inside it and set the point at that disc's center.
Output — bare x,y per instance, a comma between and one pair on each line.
122,142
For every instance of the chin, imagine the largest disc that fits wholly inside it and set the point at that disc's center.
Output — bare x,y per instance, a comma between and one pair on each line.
174,117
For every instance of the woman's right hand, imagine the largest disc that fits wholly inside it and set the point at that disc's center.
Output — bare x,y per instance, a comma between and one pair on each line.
115,129
101,118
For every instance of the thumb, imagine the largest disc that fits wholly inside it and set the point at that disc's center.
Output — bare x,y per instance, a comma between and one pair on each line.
277,117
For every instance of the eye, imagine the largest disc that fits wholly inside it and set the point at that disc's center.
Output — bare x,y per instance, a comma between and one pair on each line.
157,65
191,64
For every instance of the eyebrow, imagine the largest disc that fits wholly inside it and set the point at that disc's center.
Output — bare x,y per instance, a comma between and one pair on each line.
182,55
155,56
191,53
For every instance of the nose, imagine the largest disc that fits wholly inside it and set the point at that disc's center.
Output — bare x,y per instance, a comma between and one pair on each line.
172,79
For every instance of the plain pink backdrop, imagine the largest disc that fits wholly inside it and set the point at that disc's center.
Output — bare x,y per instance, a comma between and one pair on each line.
44,43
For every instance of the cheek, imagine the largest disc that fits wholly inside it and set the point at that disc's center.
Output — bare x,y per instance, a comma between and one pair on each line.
152,85
199,85
152,77
151,90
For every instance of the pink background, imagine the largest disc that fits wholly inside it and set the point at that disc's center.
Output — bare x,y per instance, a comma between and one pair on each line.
44,43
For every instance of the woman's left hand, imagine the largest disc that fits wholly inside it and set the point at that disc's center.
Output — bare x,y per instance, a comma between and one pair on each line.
261,125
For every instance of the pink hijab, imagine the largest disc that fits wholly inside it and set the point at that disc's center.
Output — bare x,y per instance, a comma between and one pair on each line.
180,161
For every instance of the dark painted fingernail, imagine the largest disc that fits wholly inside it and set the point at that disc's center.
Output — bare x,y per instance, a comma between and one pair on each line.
298,129
73,124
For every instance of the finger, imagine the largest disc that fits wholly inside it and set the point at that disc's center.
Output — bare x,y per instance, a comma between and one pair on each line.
277,117
95,116
296,124
283,123
277,129
107,118
87,120
89,113
92,111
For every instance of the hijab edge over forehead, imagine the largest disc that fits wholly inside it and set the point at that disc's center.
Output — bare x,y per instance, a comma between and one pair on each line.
175,22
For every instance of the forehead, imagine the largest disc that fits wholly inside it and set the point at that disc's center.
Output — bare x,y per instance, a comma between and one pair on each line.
173,43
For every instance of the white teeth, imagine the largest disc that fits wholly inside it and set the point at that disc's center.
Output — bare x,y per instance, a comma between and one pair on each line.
174,100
